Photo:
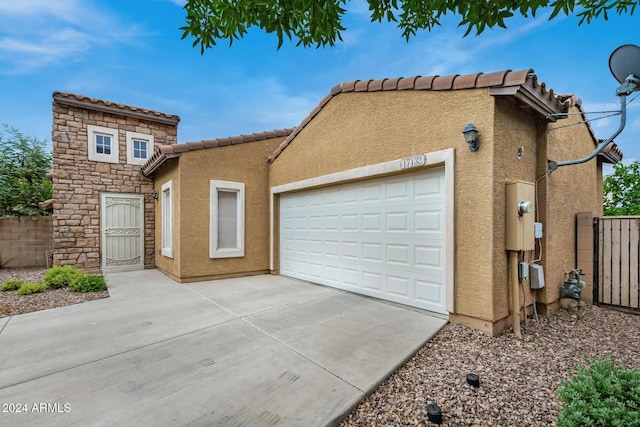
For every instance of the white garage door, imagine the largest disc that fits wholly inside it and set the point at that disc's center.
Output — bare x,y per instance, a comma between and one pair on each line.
383,237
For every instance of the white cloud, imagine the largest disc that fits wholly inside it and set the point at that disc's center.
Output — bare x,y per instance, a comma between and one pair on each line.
180,3
275,104
38,33
266,104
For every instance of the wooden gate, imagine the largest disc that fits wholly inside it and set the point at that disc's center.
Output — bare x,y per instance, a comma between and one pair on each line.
616,261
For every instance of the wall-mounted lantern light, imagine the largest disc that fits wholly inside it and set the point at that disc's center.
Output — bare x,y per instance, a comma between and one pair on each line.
470,133
154,194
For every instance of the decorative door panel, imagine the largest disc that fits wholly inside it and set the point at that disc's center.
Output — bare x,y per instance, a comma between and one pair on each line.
122,231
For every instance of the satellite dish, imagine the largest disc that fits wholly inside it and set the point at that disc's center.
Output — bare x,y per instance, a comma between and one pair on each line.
625,61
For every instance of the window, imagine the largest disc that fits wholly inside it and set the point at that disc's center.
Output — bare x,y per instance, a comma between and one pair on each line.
139,148
226,228
167,219
103,144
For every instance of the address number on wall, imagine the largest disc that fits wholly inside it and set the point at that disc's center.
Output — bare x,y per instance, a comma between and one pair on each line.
412,162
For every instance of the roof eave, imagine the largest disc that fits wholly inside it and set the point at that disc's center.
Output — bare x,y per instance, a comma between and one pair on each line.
111,109
611,154
154,163
543,104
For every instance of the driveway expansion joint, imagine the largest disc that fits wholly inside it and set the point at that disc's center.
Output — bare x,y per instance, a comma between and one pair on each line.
5,325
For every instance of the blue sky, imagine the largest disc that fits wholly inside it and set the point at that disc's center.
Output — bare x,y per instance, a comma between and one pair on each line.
130,52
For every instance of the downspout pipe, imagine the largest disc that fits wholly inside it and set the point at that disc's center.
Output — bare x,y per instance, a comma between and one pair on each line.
623,120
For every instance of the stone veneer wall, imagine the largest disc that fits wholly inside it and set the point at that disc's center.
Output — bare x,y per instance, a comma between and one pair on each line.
78,182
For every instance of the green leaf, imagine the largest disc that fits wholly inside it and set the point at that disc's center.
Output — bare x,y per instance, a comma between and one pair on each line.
319,22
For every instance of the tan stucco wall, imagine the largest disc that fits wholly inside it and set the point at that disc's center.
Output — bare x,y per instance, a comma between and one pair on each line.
246,163
359,129
514,128
169,171
569,190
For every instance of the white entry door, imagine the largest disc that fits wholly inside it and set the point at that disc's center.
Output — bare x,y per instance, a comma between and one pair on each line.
382,237
122,231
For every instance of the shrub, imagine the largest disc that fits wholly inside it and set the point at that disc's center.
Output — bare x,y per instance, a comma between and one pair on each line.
11,285
31,288
88,283
601,394
60,276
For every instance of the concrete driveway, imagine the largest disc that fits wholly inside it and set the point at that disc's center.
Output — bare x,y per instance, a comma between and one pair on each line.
260,350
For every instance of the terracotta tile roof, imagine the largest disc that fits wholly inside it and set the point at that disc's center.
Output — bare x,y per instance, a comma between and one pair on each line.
522,85
76,100
611,153
165,152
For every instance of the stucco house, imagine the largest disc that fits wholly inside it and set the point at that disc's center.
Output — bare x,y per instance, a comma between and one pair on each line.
375,192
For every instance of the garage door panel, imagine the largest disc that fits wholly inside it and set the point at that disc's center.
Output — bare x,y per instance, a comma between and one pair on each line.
351,278
350,222
396,190
397,222
332,275
372,281
315,223
315,247
371,193
430,221
428,292
316,271
372,222
331,222
372,252
383,238
431,187
398,254
332,248
398,287
431,257
350,196
350,250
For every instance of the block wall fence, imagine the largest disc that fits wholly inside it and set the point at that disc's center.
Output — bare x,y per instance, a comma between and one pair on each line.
25,242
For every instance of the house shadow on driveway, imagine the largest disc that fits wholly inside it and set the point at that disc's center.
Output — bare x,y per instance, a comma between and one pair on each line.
259,350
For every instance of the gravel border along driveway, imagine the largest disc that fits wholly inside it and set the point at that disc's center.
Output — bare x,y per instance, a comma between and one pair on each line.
518,378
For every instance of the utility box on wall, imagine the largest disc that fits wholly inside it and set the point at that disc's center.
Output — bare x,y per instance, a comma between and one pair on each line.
520,220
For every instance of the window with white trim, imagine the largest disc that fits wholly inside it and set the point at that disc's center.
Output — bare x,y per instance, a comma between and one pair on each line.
139,148
103,144
167,219
226,227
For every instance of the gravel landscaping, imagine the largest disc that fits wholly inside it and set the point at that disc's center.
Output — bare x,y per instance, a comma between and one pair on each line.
12,304
518,378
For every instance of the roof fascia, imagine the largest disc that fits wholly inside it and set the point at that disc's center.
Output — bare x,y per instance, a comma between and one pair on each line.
148,169
115,110
529,97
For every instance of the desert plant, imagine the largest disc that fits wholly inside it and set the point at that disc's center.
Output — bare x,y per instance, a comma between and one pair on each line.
60,276
88,283
24,163
11,285
31,288
601,394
